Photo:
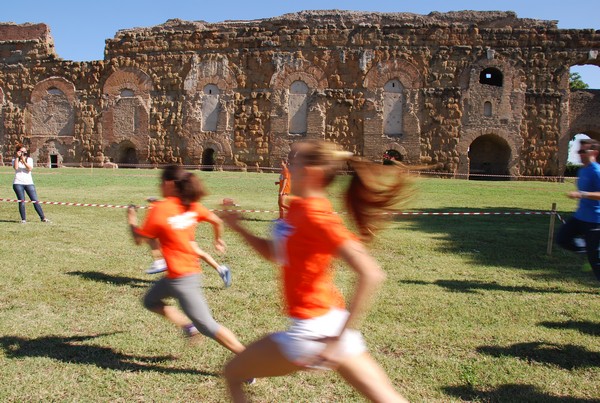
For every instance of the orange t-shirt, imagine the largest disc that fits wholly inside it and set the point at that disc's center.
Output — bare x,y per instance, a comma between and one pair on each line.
285,181
315,235
175,227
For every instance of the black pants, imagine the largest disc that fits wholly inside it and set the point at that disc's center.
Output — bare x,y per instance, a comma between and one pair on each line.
590,232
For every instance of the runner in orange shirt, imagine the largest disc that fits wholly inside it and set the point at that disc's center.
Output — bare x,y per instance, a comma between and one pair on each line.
172,222
323,331
285,186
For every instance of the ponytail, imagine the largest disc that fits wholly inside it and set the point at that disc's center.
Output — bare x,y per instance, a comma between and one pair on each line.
374,189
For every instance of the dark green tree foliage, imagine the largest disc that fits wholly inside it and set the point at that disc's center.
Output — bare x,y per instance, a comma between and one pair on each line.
576,83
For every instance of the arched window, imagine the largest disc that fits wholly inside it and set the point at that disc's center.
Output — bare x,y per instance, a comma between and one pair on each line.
487,108
298,108
491,76
210,107
55,91
392,108
127,93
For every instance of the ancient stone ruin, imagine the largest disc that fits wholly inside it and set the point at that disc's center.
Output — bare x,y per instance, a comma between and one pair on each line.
468,92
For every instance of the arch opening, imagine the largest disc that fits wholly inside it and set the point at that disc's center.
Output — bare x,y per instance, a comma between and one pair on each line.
489,155
491,76
208,160
392,155
127,93
128,157
487,109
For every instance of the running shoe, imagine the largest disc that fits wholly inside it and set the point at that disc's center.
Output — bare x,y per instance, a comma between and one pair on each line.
193,336
190,330
225,274
158,266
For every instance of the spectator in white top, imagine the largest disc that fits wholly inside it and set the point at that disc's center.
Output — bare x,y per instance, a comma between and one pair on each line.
23,183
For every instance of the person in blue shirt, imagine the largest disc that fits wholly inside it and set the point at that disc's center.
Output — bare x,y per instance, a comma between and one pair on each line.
585,223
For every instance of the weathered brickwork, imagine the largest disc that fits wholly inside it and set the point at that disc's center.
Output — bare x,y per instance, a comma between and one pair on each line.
475,92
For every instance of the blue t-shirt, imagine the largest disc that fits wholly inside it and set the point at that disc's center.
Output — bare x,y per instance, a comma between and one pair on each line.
588,180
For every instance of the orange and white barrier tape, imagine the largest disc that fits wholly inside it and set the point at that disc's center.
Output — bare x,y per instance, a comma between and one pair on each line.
400,213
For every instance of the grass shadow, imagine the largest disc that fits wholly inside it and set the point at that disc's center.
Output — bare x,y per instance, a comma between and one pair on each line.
512,241
585,327
72,350
565,356
110,279
475,287
510,393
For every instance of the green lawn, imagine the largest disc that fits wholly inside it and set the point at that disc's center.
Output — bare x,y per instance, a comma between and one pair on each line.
473,308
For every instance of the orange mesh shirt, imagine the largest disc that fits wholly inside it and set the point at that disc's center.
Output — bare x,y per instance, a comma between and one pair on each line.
285,181
174,227
315,234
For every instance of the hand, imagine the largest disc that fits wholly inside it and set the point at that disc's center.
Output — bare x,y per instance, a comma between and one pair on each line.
574,195
220,245
328,357
132,214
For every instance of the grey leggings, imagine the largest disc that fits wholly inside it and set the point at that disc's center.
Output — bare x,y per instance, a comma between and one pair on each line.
189,294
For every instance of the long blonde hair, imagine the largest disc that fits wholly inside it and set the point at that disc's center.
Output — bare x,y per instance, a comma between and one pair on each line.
374,189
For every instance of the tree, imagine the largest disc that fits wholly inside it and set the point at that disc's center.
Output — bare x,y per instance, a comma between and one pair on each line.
576,83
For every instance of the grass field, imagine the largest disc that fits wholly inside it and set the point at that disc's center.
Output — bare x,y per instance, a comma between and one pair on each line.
473,308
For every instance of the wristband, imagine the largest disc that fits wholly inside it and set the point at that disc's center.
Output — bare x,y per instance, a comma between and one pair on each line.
583,195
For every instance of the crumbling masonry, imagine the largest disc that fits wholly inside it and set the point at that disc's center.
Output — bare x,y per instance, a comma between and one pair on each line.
469,92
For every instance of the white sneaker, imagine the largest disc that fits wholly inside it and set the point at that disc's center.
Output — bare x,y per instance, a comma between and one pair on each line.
579,242
158,266
225,274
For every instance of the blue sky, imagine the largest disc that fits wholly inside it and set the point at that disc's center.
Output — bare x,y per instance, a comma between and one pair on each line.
80,27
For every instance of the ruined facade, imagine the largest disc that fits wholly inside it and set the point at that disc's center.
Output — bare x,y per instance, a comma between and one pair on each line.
468,92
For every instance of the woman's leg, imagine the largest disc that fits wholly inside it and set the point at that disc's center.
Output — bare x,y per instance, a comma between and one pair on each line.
30,189
20,192
209,259
188,292
153,302
368,378
260,359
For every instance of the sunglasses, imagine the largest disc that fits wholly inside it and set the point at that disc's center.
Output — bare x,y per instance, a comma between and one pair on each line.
583,151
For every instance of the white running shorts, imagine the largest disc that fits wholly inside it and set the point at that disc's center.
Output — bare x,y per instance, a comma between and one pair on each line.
300,341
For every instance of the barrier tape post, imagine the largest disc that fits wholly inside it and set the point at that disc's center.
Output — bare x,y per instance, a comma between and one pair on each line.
551,230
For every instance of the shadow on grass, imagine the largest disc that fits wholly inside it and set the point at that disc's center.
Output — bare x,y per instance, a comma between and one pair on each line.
110,279
586,327
119,280
513,241
72,350
474,287
566,356
510,393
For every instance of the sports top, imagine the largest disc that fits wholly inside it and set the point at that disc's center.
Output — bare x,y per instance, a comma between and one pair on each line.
311,237
588,180
174,227
285,188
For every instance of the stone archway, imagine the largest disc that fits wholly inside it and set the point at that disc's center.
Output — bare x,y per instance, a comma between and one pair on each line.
127,157
489,155
208,159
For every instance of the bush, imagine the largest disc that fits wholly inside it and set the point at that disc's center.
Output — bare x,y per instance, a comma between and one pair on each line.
571,169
